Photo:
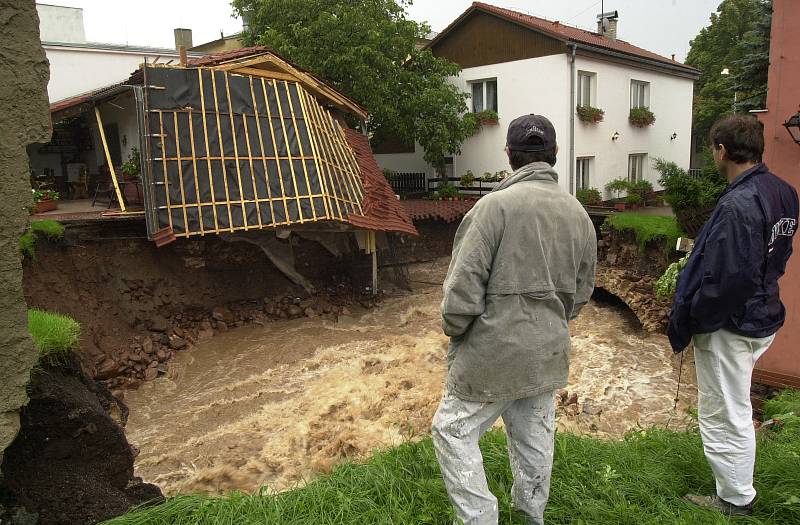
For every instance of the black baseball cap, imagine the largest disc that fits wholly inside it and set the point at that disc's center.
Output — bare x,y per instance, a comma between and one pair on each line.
531,133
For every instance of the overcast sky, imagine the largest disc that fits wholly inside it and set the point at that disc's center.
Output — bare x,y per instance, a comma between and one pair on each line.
662,26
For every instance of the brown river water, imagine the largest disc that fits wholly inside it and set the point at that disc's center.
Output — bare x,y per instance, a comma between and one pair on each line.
278,404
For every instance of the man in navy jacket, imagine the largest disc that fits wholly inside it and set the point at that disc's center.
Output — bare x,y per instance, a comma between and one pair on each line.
728,303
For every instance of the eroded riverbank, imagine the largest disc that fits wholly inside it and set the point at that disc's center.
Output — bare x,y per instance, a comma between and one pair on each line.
275,405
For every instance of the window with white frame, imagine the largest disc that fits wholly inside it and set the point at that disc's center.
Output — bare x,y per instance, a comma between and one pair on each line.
582,171
484,95
586,82
636,164
640,94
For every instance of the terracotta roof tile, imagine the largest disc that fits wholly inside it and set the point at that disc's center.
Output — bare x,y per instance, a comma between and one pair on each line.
574,34
447,211
382,209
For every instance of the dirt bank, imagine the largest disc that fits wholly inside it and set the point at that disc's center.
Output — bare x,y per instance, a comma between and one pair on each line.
275,405
138,304
70,462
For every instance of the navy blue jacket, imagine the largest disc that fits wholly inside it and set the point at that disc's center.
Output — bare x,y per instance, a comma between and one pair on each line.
731,278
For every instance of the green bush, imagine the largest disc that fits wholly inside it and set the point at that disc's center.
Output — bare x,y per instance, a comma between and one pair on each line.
634,198
474,121
684,192
588,196
787,402
55,335
447,191
618,186
647,228
667,284
53,231
467,179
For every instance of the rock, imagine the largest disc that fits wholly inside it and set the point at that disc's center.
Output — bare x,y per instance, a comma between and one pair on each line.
150,374
573,399
106,370
221,326
177,343
147,346
591,410
158,324
206,325
294,311
239,324
344,311
179,331
162,369
310,312
153,364
161,354
221,313
205,333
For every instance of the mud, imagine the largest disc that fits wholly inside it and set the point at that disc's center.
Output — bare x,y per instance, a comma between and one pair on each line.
279,404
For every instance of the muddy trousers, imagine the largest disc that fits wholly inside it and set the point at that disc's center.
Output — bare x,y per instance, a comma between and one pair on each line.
529,422
724,363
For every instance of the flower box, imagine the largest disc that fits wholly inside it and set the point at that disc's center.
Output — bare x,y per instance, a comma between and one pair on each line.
589,114
641,117
45,205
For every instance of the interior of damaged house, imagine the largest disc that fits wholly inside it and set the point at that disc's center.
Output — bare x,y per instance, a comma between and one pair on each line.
384,262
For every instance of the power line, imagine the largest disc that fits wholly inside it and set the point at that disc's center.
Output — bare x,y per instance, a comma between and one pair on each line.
579,14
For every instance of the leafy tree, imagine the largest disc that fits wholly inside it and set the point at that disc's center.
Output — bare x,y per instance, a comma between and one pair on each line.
737,39
366,48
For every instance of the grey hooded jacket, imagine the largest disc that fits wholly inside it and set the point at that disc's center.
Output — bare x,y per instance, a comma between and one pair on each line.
523,265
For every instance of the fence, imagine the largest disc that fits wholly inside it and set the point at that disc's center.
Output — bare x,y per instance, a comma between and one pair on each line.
696,173
478,187
405,184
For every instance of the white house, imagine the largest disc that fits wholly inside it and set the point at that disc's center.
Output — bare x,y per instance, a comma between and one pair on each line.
516,64
78,66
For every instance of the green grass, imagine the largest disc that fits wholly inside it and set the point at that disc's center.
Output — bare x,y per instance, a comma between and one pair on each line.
639,480
647,228
787,402
51,230
55,335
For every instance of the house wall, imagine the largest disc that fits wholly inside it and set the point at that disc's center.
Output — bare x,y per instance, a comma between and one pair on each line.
780,365
537,85
124,117
670,101
60,24
75,70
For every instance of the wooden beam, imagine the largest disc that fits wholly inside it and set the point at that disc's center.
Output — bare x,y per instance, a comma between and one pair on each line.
108,159
265,73
236,64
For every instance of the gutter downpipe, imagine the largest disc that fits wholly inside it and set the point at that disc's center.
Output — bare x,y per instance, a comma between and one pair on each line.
572,120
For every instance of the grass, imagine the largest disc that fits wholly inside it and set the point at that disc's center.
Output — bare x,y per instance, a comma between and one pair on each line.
53,231
55,335
639,480
648,228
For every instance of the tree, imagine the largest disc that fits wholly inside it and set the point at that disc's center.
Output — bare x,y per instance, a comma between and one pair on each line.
736,39
366,48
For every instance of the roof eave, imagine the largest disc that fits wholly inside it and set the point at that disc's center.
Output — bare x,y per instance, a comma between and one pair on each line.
674,68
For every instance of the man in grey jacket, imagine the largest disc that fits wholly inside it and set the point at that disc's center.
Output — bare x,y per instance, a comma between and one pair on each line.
523,265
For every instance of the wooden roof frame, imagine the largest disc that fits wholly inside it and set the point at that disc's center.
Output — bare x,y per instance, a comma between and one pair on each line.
249,65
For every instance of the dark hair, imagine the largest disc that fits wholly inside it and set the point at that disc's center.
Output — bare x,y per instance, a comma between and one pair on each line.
742,136
517,159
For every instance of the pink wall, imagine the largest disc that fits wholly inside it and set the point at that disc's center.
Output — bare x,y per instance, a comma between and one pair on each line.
781,365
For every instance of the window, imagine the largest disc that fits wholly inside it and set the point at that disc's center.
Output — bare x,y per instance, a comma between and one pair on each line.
640,94
582,173
484,95
585,88
636,167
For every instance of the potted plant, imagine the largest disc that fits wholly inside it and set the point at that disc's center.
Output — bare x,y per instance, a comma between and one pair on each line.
131,168
634,201
467,179
448,191
589,114
487,117
617,186
641,117
45,200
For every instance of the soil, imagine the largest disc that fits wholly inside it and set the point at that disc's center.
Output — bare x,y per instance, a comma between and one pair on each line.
279,404
70,462
133,300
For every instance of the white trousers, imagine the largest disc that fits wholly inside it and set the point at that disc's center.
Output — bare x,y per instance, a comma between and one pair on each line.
724,363
457,428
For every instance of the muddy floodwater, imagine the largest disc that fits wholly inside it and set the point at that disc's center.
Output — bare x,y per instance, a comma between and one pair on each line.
278,404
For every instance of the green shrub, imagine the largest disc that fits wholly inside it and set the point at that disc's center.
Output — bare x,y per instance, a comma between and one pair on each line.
667,284
447,191
684,192
467,179
588,196
648,228
787,402
55,335
27,245
474,121
618,186
634,198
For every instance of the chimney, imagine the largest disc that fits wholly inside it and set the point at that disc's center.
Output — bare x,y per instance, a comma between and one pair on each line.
183,37
607,24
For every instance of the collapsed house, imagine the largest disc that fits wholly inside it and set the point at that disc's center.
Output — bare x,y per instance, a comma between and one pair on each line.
241,144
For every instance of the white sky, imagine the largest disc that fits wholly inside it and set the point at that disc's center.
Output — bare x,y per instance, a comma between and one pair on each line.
662,26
